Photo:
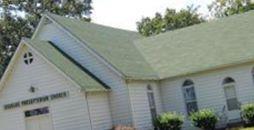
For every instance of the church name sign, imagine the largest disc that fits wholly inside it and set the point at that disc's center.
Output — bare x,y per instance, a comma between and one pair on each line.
36,100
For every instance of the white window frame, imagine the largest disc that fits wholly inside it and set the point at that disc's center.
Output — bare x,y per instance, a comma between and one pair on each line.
184,87
252,74
227,85
151,102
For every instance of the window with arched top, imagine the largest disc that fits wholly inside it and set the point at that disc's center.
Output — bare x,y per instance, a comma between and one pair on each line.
190,96
228,80
151,101
252,74
229,85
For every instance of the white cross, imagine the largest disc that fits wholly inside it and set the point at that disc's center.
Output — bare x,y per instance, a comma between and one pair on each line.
28,58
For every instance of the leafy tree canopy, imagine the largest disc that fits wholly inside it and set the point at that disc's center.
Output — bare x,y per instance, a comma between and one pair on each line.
19,18
223,8
171,20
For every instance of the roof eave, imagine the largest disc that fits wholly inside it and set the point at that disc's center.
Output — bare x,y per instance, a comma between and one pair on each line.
238,63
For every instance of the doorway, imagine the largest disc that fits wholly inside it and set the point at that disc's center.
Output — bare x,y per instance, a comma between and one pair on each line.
38,119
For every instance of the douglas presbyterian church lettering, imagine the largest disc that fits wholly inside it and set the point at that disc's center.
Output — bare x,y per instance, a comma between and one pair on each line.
36,100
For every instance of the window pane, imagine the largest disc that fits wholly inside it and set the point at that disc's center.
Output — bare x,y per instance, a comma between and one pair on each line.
153,114
192,107
149,88
151,100
36,112
31,60
232,104
228,80
25,55
26,61
252,72
188,83
230,92
30,54
189,94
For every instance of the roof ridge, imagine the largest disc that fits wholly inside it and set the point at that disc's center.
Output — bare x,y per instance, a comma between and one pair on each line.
200,47
196,25
96,24
107,42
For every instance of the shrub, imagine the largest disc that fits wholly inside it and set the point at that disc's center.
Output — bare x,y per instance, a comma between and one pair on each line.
247,113
169,121
204,119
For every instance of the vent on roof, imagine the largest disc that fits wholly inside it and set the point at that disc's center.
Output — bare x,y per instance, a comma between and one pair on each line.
28,58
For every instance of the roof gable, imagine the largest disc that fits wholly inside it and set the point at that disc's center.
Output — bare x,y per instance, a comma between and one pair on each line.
9,68
193,49
114,45
76,74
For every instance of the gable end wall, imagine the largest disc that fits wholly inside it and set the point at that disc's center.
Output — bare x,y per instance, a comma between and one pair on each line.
67,113
118,97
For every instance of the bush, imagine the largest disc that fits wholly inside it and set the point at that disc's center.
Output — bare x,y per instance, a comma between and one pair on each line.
169,121
204,119
247,113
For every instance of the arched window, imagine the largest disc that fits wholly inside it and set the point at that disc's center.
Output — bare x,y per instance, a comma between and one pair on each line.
230,94
252,74
151,101
190,96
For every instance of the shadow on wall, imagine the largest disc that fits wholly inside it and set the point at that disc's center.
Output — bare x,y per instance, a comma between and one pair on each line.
121,127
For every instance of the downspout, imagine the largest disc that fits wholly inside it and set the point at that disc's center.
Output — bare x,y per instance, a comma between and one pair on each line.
161,96
89,114
130,105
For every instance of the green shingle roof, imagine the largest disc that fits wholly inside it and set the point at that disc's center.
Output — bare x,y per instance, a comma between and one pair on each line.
114,45
84,80
206,46
211,45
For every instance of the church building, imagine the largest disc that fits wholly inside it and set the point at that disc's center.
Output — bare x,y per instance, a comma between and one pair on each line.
75,75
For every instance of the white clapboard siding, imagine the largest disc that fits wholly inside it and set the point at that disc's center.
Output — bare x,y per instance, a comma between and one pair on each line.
119,100
209,89
99,110
69,113
140,105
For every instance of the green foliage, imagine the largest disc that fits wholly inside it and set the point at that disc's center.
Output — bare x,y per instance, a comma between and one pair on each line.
222,8
170,21
204,119
13,26
169,121
247,113
11,31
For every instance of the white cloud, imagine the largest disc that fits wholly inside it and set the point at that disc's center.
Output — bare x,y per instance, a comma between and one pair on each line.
125,13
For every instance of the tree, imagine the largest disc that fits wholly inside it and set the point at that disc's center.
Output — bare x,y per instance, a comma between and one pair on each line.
19,18
223,8
170,21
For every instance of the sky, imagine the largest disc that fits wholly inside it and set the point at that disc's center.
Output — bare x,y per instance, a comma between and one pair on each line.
125,13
